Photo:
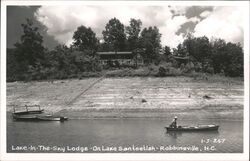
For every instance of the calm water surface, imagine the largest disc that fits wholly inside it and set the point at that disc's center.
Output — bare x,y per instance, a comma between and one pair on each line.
101,135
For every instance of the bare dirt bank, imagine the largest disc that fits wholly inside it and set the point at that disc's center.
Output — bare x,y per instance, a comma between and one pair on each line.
210,98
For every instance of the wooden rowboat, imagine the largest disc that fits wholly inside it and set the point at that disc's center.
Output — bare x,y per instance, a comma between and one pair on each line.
18,117
27,110
194,128
38,118
34,114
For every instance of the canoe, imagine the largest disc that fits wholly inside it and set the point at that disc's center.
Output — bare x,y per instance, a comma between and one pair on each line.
38,118
194,128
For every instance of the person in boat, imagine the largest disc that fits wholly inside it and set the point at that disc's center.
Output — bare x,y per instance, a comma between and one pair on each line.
174,123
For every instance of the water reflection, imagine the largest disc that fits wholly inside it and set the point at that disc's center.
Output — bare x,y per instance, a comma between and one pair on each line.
176,134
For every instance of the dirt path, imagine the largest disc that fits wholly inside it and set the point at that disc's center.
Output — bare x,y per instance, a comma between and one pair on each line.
85,90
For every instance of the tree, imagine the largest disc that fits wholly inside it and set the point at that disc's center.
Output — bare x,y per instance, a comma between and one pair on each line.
85,39
166,55
68,62
12,65
181,51
200,49
150,40
83,61
30,53
114,35
227,58
167,51
235,64
133,31
59,58
218,54
30,50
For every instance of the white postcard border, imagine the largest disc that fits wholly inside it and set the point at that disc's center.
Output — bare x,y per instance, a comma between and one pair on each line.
121,156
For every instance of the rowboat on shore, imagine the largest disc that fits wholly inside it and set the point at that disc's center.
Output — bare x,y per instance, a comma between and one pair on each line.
27,110
38,118
194,128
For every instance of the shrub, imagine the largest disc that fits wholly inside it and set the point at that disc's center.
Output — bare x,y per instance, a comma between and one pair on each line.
162,71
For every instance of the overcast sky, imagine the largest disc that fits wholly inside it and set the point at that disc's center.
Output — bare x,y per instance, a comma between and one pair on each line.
58,23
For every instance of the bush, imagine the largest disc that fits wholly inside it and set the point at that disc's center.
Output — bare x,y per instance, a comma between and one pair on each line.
143,71
174,72
189,67
118,72
162,72
153,69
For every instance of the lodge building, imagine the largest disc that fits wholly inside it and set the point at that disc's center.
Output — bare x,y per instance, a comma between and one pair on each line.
125,58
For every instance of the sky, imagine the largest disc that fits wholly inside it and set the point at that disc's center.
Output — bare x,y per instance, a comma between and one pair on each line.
58,23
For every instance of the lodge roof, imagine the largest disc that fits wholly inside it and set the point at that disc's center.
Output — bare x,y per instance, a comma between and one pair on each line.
183,58
113,53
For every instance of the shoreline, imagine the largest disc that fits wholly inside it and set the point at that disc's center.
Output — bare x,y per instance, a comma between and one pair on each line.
236,114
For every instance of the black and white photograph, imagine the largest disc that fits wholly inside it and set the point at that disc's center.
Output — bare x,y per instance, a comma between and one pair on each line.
139,78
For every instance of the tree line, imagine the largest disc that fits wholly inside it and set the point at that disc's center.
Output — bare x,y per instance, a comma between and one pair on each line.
30,60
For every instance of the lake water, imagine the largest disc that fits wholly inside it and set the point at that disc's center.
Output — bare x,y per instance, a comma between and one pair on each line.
121,135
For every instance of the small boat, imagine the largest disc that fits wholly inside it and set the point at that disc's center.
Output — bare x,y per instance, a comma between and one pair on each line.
34,114
27,110
194,128
38,118
18,117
